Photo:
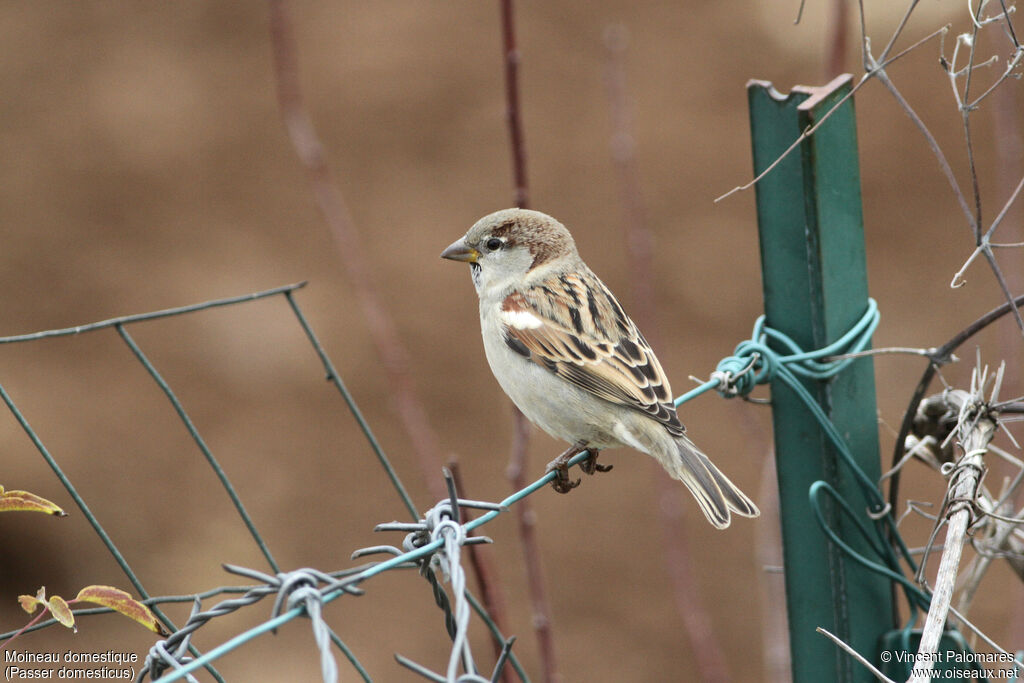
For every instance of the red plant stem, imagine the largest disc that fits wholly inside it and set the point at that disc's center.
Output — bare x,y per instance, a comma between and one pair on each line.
513,110
527,522
710,660
525,517
639,239
35,620
392,353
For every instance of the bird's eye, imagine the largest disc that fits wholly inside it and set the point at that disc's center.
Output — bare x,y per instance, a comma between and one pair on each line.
494,244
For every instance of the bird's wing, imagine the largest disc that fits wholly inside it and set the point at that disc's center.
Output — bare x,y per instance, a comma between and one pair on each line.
573,326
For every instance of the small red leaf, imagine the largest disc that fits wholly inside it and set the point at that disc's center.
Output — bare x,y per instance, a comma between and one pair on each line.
30,602
119,601
61,612
28,502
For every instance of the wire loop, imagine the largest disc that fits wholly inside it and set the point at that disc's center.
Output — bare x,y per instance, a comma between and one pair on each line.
755,361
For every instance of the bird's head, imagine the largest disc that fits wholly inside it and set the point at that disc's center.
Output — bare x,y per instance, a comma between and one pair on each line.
509,248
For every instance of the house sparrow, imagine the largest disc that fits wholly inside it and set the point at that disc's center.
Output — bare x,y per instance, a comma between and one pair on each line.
569,357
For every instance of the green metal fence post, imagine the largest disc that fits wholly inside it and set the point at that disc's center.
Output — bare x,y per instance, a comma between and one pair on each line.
815,287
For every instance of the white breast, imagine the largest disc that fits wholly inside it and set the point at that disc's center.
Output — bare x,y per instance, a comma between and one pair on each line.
561,409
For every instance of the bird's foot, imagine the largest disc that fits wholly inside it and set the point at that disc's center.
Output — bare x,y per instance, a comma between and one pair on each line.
560,465
590,465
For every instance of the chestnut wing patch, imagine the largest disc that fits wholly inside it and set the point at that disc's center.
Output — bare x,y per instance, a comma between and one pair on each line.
581,334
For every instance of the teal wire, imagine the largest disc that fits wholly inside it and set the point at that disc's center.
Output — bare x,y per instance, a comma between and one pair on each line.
694,393
770,364
207,453
914,594
789,367
93,521
390,563
353,407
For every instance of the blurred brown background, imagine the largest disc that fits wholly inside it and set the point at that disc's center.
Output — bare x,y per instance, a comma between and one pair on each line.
145,166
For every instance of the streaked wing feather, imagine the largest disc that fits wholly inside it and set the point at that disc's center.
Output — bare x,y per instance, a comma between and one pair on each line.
573,326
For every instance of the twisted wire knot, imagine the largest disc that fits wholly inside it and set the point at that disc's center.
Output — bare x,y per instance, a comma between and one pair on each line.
303,592
300,587
754,362
751,363
160,659
171,652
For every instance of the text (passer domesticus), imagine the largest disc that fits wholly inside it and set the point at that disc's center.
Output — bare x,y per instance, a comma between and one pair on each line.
572,361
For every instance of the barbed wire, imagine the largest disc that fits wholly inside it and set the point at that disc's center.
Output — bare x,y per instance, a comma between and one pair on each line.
181,643
435,541
299,591
432,543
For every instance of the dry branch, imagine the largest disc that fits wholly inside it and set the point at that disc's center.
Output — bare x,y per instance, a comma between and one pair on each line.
525,517
393,355
710,660
976,429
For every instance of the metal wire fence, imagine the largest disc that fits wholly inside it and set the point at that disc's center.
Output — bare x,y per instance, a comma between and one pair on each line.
432,544
435,539
298,592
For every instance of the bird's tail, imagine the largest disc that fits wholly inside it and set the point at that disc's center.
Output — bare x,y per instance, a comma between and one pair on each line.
716,495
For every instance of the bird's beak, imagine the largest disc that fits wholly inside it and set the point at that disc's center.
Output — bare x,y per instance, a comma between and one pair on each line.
458,251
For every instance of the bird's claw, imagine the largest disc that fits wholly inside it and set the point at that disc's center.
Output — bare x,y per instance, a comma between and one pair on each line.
560,466
590,465
562,483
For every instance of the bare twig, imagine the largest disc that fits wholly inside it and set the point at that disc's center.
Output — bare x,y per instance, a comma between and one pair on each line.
975,431
856,655
806,133
1002,540
1007,73
639,240
711,662
393,355
933,144
905,350
966,107
527,523
525,517
877,70
895,34
965,113
513,110
991,258
1006,208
